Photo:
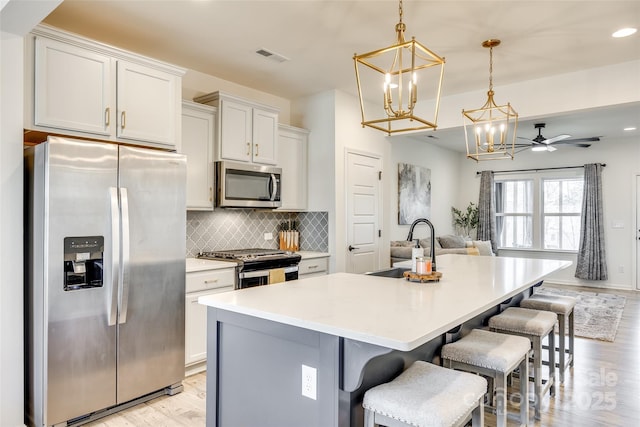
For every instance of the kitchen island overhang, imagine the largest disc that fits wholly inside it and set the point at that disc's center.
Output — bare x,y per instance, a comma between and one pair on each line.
340,325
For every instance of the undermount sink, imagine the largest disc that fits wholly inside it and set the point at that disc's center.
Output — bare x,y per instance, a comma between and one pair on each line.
395,273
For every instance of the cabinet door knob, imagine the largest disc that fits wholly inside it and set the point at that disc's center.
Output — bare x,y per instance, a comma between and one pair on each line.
257,151
248,148
211,281
107,116
123,119
211,194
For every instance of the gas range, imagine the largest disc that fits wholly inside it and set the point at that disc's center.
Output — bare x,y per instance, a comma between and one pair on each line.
248,255
256,265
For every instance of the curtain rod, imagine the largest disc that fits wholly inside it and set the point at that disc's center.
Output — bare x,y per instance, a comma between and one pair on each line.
541,169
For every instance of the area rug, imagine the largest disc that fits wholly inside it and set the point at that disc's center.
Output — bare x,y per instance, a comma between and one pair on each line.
596,315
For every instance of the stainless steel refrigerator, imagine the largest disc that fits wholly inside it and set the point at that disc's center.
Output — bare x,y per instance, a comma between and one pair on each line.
104,277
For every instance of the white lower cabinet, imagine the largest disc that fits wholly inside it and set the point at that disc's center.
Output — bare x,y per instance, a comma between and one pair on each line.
311,267
198,284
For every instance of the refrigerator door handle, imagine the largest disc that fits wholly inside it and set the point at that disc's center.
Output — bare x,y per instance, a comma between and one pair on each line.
124,283
115,260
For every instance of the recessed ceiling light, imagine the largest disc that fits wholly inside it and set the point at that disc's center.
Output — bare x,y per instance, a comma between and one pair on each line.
629,129
624,32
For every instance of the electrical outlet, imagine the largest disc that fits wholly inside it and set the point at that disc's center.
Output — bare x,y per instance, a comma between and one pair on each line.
309,382
268,236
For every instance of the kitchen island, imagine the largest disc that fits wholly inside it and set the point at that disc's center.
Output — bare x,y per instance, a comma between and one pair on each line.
302,353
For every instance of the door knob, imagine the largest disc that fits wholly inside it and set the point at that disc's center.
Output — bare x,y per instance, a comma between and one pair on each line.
351,248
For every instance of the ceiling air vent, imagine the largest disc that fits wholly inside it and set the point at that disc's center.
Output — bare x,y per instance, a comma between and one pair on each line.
271,55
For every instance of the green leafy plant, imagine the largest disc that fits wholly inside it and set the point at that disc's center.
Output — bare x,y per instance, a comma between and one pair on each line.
465,221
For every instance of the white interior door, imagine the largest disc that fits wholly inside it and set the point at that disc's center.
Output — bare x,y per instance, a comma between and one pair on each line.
363,174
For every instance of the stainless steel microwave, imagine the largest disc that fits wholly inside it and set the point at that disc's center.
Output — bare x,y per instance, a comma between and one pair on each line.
246,185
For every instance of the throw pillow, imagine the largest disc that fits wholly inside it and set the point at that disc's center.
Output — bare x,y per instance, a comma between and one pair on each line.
484,246
449,241
401,249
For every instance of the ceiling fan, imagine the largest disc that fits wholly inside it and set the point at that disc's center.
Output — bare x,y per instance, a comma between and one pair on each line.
540,143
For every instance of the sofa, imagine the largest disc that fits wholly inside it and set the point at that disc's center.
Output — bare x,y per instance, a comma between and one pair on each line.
446,244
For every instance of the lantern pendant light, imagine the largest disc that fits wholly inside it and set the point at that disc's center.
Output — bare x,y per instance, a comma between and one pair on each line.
490,131
388,82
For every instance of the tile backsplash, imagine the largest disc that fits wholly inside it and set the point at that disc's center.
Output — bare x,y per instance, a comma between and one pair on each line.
240,229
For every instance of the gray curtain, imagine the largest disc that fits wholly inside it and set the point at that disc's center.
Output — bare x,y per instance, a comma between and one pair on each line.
592,263
487,210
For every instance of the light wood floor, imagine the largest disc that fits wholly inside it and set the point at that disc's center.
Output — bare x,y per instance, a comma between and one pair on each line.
602,389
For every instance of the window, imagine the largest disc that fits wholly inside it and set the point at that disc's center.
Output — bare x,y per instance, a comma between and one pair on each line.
562,204
539,213
514,213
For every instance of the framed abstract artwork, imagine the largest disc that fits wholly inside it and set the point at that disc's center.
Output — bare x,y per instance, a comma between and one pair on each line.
414,193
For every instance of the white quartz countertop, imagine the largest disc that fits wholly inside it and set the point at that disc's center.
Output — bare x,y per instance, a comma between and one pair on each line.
392,313
312,254
197,264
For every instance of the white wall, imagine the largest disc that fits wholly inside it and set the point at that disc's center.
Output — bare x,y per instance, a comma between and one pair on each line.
195,83
445,185
317,113
586,89
622,158
334,120
16,19
11,282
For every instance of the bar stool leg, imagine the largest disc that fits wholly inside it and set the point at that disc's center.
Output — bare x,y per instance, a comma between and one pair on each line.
537,375
571,336
368,418
552,362
501,399
477,416
561,346
524,391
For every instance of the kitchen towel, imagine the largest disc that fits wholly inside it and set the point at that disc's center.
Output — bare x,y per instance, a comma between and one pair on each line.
276,275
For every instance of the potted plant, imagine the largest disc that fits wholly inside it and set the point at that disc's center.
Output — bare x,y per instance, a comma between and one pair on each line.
465,221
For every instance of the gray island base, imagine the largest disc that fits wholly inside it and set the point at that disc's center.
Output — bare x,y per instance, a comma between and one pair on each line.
272,349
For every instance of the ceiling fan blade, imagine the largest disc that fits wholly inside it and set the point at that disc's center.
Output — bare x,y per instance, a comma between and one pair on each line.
578,140
587,139
573,143
522,137
556,138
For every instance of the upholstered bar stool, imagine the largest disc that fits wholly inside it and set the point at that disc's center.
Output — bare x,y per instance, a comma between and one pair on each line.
534,325
493,355
563,307
426,395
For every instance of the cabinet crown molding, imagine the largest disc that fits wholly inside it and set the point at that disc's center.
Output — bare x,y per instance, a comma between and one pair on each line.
54,33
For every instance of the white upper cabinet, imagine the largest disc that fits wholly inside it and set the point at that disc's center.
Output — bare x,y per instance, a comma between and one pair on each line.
146,104
265,137
293,148
247,131
235,131
73,88
198,130
88,89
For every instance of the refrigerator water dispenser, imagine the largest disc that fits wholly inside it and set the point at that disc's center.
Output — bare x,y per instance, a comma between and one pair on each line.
83,257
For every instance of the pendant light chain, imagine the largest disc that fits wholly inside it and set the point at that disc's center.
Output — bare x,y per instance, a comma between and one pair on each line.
400,11
491,69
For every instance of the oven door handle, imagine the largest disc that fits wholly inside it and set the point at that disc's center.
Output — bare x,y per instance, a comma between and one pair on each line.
264,273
